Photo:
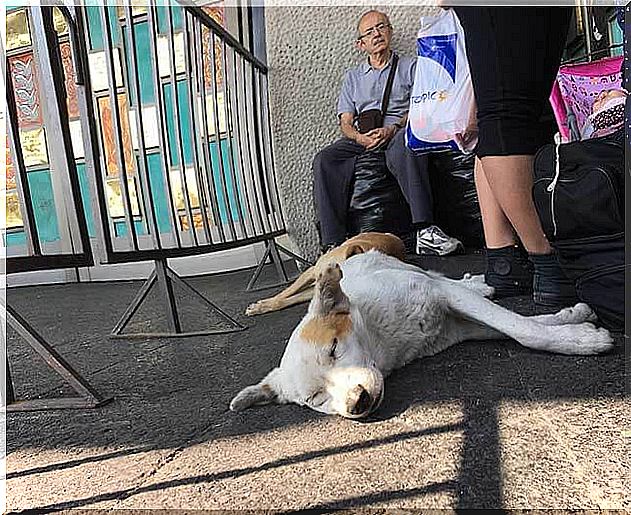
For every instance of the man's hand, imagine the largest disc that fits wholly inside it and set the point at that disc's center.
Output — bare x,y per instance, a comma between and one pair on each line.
380,136
364,140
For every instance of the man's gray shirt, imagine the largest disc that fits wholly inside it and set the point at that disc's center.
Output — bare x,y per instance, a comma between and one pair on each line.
364,85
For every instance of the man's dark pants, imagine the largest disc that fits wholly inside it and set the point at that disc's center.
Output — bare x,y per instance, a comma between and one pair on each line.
333,170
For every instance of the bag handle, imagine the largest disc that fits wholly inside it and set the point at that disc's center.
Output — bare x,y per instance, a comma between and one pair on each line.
386,92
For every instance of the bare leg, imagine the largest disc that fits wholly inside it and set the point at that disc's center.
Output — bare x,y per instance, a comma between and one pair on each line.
498,231
510,180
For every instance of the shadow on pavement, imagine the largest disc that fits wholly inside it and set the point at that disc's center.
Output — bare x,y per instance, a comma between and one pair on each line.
175,393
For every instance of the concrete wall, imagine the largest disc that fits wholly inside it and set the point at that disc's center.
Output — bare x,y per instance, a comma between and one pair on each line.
308,51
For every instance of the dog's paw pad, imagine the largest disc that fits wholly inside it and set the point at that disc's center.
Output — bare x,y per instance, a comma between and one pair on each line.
477,284
585,312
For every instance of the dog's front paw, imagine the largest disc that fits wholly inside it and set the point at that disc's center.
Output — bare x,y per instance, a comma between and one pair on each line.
257,308
477,284
577,314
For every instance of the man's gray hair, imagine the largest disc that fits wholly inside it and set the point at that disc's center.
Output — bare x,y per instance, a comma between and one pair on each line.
371,12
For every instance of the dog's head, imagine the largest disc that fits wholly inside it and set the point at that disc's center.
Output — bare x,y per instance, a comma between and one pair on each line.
325,366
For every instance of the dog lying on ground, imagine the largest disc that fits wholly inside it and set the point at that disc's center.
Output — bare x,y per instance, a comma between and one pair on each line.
301,290
375,313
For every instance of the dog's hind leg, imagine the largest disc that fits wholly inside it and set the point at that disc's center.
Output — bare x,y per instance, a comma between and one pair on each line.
581,338
465,330
468,330
281,300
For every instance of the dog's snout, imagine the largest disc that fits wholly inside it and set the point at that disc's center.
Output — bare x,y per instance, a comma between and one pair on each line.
359,401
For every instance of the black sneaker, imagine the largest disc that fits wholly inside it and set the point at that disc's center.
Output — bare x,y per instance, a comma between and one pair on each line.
552,289
509,271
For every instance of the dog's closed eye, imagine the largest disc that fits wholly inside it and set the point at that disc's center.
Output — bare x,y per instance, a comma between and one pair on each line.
333,349
317,399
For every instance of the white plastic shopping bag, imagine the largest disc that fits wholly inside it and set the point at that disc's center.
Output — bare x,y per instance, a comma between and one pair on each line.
442,104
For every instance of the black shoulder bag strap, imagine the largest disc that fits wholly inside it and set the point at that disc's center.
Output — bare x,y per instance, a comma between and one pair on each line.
386,92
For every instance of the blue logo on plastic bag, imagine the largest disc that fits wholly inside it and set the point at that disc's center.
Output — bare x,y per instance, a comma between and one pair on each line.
419,147
441,49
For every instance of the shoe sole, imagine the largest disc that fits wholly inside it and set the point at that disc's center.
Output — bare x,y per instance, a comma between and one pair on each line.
431,252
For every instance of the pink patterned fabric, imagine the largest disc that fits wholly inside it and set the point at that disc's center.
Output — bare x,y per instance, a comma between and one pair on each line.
577,86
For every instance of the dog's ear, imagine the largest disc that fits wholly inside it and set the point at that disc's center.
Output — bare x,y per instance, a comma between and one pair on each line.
353,250
265,392
329,297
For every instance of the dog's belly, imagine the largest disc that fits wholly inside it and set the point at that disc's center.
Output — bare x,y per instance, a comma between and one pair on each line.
403,315
397,341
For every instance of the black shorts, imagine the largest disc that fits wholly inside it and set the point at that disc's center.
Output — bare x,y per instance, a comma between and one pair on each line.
514,55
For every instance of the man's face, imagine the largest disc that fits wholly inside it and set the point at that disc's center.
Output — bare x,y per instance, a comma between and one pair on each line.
375,33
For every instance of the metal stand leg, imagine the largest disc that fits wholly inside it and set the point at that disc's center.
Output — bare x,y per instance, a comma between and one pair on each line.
88,396
133,307
272,253
169,298
9,397
166,278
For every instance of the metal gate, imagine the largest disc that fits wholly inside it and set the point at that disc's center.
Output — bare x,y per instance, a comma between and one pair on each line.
178,115
45,227
149,128
176,129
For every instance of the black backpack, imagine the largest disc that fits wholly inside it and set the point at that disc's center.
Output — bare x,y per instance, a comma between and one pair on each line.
579,195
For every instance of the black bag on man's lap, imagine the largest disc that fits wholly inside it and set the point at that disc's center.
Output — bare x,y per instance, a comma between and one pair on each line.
377,203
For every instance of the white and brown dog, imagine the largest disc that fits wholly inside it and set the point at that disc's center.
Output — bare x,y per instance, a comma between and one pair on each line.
375,313
301,290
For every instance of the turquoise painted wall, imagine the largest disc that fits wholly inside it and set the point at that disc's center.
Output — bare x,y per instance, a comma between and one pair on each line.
44,212
85,196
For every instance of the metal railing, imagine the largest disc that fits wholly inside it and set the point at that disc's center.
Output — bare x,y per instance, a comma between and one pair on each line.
42,111
198,176
40,63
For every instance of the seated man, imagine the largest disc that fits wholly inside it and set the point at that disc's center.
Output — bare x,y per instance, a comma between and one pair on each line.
334,166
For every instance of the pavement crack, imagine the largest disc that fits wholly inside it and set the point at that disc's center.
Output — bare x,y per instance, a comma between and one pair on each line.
146,476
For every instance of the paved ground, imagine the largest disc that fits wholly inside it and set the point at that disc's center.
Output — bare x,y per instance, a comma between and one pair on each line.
481,425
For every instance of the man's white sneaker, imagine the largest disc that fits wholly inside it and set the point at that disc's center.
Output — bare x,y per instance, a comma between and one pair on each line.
432,240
